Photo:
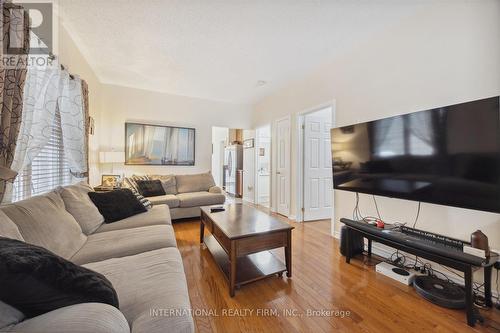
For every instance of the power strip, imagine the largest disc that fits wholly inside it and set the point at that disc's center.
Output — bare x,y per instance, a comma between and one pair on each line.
405,276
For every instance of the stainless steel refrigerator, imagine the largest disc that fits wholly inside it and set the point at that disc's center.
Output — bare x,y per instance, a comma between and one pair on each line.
233,161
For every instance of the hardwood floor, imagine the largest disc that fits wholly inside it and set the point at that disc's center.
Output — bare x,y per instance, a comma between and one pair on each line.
359,299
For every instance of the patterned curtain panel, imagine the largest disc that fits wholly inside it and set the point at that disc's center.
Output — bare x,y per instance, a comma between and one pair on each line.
74,124
86,114
15,35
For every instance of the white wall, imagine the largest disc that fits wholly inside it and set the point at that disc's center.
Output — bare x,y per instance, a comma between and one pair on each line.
123,104
446,54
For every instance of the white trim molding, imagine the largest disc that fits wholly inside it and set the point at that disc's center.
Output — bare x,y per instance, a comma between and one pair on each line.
299,164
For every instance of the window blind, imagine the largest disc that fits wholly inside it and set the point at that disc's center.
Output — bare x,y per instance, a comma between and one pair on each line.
48,169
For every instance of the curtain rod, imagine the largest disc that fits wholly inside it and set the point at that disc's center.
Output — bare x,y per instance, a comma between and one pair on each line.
53,57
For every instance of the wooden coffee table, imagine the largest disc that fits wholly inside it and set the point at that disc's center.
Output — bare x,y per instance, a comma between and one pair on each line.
240,239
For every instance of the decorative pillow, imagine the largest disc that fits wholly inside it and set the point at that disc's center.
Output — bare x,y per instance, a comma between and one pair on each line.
150,188
117,205
144,201
130,184
35,280
8,228
195,183
168,182
78,204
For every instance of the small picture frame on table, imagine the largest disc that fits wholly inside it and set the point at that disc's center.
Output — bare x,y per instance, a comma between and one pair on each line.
110,181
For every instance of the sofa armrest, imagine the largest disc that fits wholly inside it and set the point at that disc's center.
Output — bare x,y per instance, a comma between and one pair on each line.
79,318
215,189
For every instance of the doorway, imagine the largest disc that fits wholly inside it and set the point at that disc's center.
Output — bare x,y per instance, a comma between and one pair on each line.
263,166
316,169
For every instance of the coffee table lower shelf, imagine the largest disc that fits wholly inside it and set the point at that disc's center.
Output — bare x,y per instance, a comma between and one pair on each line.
249,268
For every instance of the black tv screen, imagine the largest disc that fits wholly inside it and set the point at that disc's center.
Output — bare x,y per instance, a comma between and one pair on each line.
448,155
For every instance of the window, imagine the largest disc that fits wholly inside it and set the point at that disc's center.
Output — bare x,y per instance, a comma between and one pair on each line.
48,169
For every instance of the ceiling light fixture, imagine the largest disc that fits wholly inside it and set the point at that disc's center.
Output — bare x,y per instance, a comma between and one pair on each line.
261,83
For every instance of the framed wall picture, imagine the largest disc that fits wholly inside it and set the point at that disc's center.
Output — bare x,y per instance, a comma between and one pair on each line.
159,145
110,181
249,143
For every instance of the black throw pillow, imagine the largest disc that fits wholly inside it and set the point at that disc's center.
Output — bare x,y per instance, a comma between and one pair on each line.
150,188
36,281
117,205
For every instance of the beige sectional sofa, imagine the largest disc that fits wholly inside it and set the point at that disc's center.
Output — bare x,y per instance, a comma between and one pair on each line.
138,255
185,194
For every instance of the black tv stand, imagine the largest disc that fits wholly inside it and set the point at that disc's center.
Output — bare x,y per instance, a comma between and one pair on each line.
442,254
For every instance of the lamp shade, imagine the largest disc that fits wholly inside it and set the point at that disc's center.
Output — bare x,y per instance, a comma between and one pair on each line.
111,157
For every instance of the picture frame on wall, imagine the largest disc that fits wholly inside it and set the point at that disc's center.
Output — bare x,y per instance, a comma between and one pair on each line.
110,181
249,143
147,144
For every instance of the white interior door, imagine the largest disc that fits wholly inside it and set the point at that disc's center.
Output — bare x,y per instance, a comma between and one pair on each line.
283,166
318,186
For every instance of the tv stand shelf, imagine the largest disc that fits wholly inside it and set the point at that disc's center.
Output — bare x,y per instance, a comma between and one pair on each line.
446,256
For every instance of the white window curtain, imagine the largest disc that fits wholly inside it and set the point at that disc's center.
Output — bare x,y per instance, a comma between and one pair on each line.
51,91
73,124
41,91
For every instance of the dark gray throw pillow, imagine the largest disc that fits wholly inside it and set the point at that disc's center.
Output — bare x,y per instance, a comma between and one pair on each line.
117,205
35,280
150,188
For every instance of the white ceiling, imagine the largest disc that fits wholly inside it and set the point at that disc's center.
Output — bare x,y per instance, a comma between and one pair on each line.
219,50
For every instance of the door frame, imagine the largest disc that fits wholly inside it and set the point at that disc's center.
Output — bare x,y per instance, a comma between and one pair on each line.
274,150
300,157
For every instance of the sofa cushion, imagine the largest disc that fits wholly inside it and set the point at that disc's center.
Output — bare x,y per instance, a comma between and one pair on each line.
35,280
195,183
117,205
9,315
78,318
157,282
43,221
184,213
77,202
169,199
126,242
150,188
158,215
168,182
195,199
8,228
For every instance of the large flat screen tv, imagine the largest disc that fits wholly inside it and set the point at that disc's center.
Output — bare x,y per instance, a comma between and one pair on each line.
448,155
